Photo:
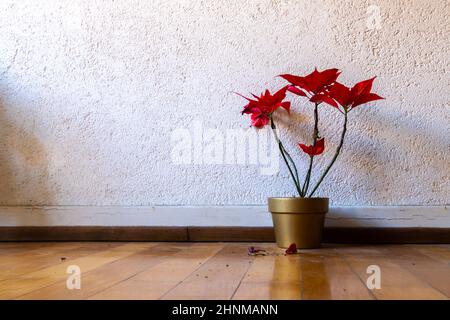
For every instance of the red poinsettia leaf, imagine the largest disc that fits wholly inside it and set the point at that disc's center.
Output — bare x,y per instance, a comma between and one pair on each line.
280,94
262,108
365,98
313,78
242,96
306,149
340,93
259,119
253,110
318,81
329,76
295,80
312,81
326,99
362,87
315,82
296,91
319,98
319,148
315,150
292,249
286,105
251,107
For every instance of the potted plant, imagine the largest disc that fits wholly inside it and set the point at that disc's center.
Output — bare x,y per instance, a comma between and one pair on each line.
300,219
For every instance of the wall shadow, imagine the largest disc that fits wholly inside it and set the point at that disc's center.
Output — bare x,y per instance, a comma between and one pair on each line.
24,167
381,151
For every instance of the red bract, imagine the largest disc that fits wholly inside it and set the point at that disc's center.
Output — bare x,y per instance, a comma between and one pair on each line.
292,249
314,150
260,118
316,84
358,95
262,107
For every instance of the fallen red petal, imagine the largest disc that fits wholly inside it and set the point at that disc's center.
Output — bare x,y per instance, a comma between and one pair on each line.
292,249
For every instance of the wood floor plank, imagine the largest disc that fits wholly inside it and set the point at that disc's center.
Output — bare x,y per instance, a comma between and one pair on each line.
439,253
26,250
15,287
218,278
156,281
108,275
327,276
274,276
26,255
26,262
10,248
396,282
92,261
433,272
269,290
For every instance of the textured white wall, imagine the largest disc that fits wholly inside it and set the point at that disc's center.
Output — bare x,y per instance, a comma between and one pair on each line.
92,91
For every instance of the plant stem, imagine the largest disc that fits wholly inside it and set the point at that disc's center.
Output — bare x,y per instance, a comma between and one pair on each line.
286,155
338,150
311,157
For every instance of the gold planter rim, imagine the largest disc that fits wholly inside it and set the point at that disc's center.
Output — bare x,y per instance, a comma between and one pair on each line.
298,205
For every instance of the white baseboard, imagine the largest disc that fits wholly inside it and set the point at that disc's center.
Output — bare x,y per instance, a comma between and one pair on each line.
246,216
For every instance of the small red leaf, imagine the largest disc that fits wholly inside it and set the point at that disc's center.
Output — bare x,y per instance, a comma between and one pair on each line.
292,249
314,150
296,91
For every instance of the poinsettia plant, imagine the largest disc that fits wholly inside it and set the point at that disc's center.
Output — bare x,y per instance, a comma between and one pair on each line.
320,88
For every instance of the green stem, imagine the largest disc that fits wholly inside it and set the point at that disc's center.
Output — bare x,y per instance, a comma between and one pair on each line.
311,157
338,150
285,154
293,164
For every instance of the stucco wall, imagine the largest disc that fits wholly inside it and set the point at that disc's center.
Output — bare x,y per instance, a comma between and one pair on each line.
93,94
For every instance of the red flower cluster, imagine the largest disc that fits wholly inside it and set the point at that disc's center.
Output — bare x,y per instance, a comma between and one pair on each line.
323,87
318,86
315,84
262,107
351,98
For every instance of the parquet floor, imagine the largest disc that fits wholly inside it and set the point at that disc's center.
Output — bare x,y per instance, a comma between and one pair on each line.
221,271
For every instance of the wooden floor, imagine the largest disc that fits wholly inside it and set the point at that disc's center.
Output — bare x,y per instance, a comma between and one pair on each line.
221,271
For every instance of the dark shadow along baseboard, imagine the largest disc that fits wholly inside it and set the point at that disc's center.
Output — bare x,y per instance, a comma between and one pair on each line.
226,234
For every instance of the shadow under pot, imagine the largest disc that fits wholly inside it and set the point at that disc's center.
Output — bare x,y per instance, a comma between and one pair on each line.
299,221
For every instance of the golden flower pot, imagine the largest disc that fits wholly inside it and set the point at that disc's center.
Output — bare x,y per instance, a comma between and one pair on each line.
298,220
